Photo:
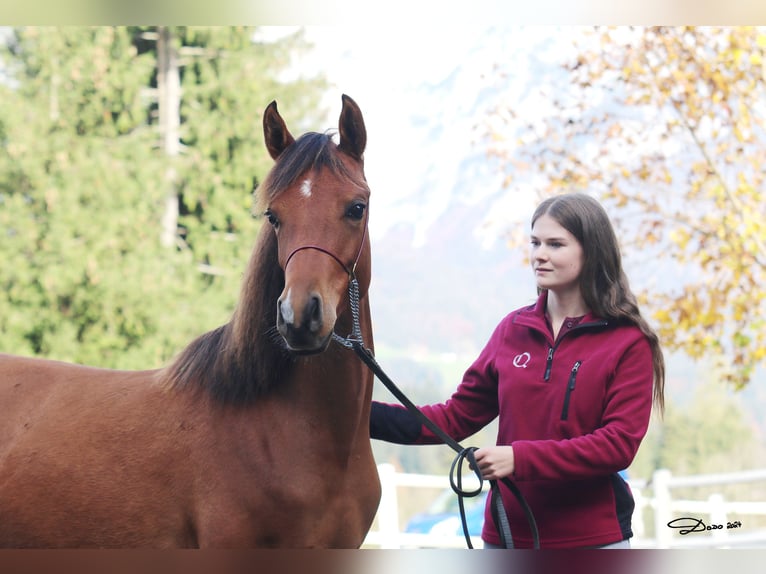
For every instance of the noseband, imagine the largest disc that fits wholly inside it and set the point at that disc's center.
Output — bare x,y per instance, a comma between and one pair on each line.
350,270
353,286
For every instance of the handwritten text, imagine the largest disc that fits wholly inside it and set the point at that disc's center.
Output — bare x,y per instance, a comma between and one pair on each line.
689,525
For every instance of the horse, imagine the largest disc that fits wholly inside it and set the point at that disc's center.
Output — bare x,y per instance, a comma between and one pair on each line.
256,435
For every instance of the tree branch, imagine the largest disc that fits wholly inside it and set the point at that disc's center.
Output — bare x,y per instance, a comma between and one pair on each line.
760,255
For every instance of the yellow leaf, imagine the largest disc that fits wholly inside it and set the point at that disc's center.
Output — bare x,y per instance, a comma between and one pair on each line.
663,316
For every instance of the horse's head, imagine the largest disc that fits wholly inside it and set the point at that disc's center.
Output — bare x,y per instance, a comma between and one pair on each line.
317,201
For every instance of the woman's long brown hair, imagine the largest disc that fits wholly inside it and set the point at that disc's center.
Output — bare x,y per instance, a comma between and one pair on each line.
603,282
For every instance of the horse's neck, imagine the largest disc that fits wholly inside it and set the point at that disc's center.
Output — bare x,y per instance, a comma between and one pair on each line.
334,388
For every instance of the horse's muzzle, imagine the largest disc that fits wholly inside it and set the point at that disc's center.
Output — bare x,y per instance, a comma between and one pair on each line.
303,328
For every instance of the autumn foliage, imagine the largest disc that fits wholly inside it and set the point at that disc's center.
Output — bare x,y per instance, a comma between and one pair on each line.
668,127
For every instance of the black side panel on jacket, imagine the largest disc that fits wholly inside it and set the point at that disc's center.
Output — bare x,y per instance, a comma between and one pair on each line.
624,505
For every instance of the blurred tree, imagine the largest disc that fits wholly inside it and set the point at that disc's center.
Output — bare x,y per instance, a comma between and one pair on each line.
667,127
711,433
83,186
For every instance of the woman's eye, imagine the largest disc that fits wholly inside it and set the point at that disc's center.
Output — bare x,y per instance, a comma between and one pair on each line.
272,218
356,211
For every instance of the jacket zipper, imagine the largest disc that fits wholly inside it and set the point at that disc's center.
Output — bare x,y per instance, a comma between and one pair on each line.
552,350
549,364
570,388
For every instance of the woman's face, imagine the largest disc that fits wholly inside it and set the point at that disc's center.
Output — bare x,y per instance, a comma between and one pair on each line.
557,257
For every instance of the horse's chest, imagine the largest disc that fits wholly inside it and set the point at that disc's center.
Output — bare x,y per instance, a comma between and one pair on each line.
307,507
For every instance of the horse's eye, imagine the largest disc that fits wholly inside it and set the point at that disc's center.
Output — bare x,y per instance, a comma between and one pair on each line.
356,211
272,218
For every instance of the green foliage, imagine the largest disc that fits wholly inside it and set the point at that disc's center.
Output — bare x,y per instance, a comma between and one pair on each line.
225,155
711,433
82,188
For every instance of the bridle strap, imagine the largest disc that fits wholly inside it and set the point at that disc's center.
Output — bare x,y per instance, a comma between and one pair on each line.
322,250
350,271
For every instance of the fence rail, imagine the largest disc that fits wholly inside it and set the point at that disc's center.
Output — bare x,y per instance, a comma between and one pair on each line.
707,521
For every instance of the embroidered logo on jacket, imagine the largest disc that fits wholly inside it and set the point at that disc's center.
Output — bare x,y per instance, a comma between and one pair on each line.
520,361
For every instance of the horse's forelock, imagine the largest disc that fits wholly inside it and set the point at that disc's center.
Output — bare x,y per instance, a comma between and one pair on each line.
311,151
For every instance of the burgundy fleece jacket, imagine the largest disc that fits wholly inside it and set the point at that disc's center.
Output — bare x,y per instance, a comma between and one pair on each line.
574,409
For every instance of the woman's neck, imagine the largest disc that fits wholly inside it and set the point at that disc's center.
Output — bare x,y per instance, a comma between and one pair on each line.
562,305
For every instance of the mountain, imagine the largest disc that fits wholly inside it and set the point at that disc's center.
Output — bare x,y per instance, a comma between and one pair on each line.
446,293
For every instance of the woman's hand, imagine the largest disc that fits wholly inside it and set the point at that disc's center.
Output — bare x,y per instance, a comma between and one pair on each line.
495,462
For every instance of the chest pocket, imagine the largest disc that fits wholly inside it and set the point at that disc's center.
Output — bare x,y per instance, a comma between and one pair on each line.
571,385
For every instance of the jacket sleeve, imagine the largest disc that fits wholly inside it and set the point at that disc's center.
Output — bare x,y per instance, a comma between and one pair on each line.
612,446
474,403
393,423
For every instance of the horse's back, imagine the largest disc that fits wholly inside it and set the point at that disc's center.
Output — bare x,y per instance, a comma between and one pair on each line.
34,391
84,451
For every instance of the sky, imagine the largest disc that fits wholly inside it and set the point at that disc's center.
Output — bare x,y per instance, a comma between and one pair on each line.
421,97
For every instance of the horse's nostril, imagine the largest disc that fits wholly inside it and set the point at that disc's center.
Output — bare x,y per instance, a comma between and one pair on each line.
313,317
285,315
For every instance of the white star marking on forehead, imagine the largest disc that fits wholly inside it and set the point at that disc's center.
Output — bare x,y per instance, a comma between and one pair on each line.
306,188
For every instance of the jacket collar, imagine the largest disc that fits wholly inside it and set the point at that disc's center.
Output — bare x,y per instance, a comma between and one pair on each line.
534,315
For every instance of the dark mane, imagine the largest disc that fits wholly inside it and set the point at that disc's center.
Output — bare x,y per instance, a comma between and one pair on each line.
245,358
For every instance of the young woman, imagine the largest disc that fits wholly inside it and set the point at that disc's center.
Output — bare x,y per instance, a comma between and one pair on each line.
572,379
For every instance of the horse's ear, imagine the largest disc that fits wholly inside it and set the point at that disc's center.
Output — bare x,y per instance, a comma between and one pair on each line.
275,132
353,134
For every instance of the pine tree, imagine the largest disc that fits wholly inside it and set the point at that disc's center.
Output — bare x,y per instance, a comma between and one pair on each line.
84,186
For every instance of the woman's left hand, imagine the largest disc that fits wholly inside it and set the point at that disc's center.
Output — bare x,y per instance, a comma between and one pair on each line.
495,462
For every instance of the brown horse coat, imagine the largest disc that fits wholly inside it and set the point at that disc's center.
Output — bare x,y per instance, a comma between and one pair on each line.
247,439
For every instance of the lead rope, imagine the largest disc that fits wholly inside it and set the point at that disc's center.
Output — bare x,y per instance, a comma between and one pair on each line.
354,341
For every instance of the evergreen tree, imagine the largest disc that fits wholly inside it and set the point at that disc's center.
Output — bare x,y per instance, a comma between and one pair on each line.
83,187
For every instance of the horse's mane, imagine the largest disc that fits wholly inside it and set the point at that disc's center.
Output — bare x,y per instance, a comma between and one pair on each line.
246,358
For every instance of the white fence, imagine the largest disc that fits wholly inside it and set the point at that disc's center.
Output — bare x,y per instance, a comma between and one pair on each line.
717,529
704,523
387,533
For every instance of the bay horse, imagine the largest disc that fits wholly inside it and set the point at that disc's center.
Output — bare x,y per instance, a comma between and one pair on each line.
257,433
